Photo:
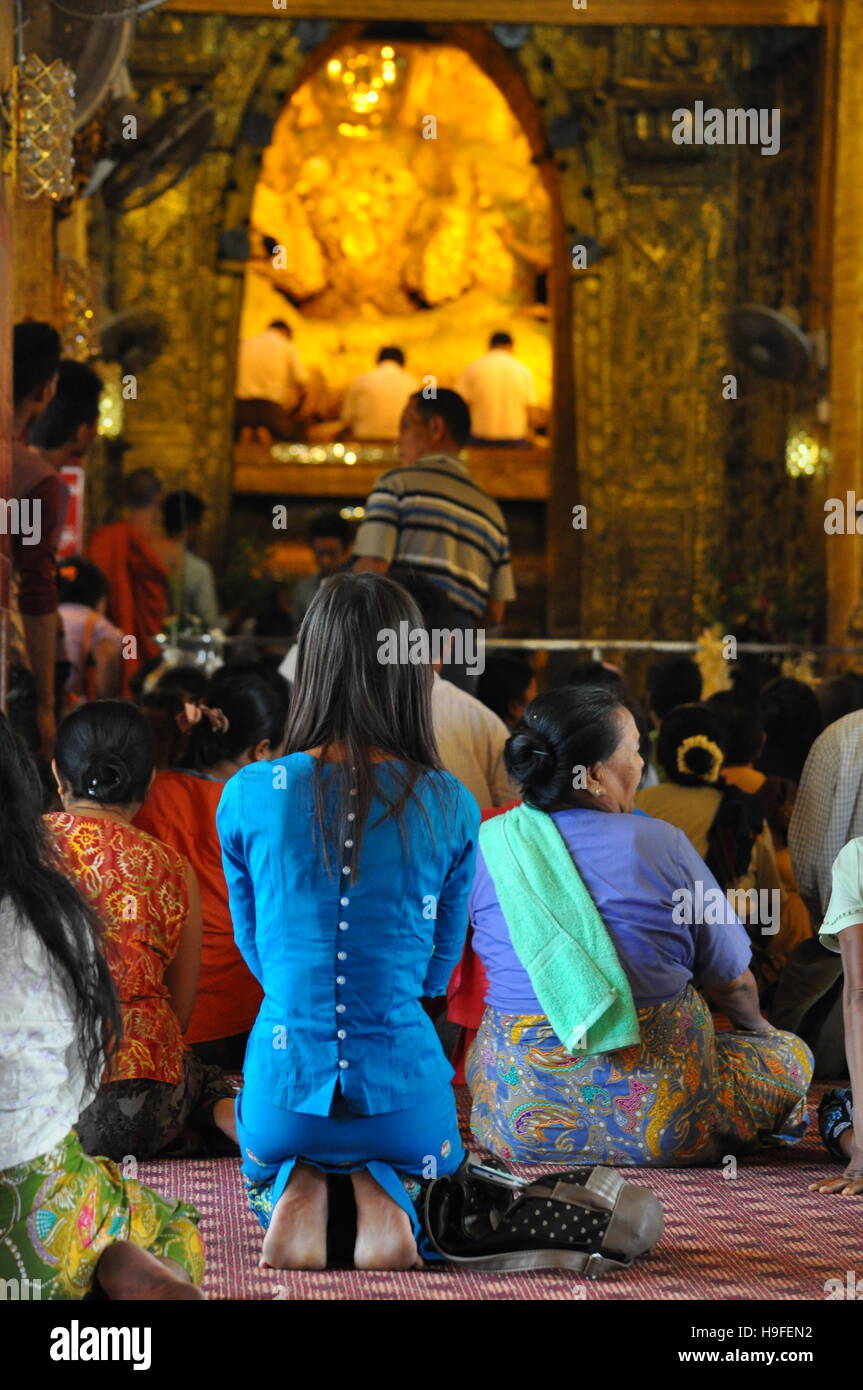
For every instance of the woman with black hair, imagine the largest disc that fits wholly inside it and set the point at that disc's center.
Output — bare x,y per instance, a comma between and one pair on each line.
67,1221
157,1099
348,864
792,722
727,828
240,719
722,822
597,929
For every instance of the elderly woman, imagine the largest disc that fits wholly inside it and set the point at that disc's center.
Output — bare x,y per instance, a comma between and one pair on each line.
598,928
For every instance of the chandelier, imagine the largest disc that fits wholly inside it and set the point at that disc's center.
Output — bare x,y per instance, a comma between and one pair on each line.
363,78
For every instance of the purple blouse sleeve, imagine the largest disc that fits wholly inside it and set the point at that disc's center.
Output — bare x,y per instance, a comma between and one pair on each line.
722,949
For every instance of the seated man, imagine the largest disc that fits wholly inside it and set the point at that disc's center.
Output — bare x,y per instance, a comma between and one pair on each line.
469,736
271,385
501,394
828,813
374,401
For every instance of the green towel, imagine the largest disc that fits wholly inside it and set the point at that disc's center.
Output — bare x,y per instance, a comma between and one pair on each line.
557,933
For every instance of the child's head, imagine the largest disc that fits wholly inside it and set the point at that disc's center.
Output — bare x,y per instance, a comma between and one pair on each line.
80,582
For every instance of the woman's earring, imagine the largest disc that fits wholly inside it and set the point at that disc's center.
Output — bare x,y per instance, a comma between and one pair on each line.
597,791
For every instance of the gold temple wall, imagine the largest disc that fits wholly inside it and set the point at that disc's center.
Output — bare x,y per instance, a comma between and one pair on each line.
640,434
773,524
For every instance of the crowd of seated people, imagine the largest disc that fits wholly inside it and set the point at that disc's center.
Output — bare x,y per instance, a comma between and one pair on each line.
645,918
238,877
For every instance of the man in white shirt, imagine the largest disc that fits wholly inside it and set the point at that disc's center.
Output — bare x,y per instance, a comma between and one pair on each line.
374,402
501,393
271,382
470,740
469,736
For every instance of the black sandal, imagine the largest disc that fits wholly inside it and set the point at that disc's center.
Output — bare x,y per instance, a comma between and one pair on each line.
835,1116
587,1220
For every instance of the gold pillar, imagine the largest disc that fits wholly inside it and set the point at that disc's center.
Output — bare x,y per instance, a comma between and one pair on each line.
6,59
844,556
34,287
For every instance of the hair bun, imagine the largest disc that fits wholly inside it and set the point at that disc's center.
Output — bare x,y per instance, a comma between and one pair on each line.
107,780
699,756
530,756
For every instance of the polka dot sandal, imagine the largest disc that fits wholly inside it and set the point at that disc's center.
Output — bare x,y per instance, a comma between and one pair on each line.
588,1220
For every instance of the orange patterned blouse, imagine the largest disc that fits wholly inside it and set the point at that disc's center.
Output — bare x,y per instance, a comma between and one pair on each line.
138,887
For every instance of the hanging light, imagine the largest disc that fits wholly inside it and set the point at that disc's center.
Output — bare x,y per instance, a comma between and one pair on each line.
805,456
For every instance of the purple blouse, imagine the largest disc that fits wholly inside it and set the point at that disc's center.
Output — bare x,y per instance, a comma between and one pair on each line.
631,866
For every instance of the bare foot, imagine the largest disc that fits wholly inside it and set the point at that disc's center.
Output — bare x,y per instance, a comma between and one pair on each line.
385,1239
297,1234
225,1116
125,1271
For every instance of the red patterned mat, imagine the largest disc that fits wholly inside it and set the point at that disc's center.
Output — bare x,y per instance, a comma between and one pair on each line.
760,1234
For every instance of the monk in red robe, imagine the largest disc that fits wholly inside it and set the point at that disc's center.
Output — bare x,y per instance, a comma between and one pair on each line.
129,554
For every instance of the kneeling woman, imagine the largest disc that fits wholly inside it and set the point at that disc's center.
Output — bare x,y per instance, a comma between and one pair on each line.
348,863
67,1222
595,1042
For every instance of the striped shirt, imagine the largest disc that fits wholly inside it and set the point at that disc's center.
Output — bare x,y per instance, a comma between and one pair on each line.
433,517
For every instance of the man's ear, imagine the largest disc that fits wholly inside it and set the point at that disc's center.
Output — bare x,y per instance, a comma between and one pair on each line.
437,428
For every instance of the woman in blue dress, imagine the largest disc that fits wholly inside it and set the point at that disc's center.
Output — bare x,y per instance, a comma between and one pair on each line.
349,862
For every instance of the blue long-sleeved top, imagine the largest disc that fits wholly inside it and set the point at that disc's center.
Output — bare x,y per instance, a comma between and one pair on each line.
343,966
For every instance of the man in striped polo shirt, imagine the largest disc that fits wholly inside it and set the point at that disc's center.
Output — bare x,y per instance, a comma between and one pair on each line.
429,516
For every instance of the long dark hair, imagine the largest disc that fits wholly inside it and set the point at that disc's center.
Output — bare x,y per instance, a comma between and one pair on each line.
31,878
346,693
738,819
255,703
567,727
792,722
105,753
